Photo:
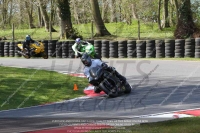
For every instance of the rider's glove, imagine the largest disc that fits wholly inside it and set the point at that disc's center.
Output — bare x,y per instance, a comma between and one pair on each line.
104,66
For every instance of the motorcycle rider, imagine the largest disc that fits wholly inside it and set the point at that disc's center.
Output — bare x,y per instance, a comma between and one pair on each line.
77,47
26,43
89,63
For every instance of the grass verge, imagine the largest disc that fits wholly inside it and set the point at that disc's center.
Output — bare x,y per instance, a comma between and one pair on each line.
183,125
20,87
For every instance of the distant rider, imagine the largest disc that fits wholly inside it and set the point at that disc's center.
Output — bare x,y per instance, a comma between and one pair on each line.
27,41
89,63
78,45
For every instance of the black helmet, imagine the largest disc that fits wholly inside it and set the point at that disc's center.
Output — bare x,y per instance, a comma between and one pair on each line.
86,60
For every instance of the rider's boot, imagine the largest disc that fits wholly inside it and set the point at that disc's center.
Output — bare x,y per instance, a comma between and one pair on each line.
97,89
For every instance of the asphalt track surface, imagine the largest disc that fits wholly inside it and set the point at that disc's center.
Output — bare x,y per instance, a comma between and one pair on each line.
158,86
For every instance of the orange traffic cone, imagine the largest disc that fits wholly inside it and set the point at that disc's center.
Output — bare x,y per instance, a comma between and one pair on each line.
75,87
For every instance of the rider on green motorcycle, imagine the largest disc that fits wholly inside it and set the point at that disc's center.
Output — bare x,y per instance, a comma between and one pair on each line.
81,47
78,47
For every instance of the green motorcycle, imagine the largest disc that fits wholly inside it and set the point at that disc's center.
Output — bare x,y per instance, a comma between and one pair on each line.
89,49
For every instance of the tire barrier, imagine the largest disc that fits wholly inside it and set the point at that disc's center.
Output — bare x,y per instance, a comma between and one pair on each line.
105,49
131,49
45,42
91,41
160,48
113,46
169,48
122,49
17,49
12,49
150,49
141,48
197,48
6,49
179,48
189,47
65,49
97,47
58,49
1,49
52,48
70,50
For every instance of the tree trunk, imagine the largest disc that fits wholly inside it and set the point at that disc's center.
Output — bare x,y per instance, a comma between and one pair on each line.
113,12
185,27
134,11
176,6
21,11
101,29
4,11
66,29
159,7
104,10
39,18
166,14
45,16
76,16
10,12
29,9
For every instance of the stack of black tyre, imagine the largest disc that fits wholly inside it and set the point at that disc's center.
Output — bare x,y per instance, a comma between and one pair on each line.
6,49
150,49
113,46
17,49
58,49
141,48
65,49
91,41
197,47
45,42
131,49
160,48
70,50
169,48
12,49
105,49
122,49
52,48
189,47
97,47
1,49
179,48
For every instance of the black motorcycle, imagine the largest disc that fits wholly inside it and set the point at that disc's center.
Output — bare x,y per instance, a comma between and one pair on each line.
108,82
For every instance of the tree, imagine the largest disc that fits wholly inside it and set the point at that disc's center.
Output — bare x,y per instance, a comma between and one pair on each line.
66,28
159,23
45,16
166,14
101,29
185,27
29,11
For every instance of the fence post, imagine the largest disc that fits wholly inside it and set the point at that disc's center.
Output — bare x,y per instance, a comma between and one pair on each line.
13,32
139,28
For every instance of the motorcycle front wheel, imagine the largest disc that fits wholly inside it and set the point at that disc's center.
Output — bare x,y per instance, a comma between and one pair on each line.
127,87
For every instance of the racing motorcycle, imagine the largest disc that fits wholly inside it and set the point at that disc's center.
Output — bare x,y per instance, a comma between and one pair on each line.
108,82
36,50
89,49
